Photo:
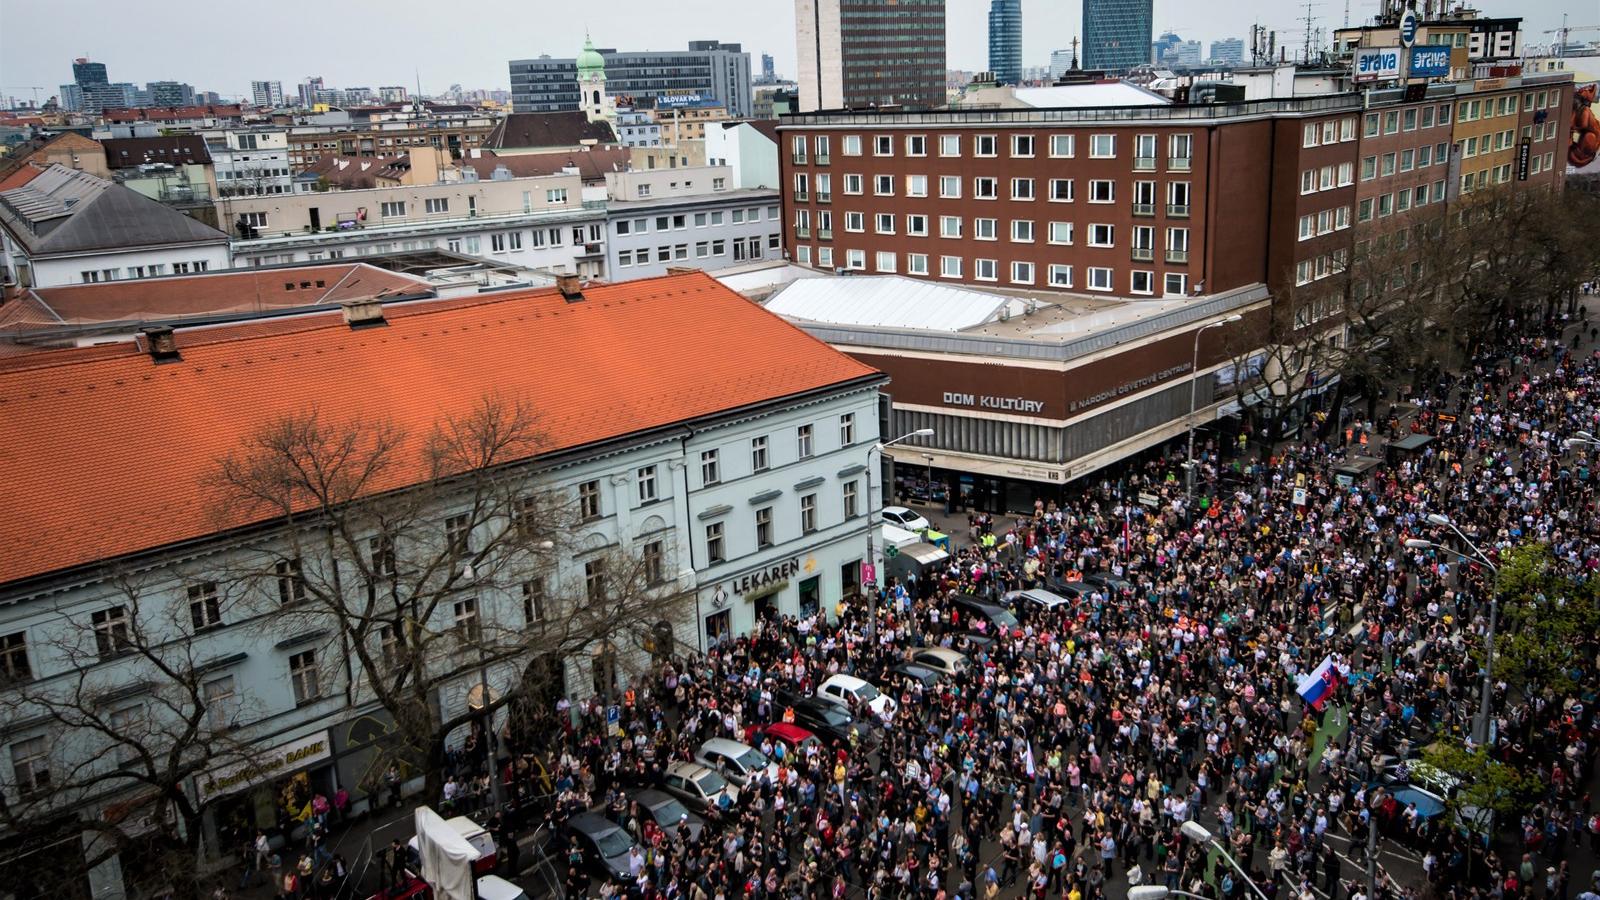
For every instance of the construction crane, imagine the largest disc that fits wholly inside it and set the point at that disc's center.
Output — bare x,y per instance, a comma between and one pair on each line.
26,87
1565,30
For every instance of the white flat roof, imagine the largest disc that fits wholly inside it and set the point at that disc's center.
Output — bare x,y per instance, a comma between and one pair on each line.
889,301
1115,93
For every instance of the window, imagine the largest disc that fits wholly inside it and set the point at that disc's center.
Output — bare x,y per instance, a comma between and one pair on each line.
594,580
950,186
851,500
916,185
1022,273
436,205
1176,284
1369,168
715,551
1424,156
290,576
883,185
916,145
917,225
1409,122
1060,275
803,441
824,257
392,209
949,145
1022,188
852,184
555,195
808,513
1061,146
798,150
1178,198
467,625
14,667
1346,174
1407,160
986,270
1022,231
916,263
984,229
763,527
1144,239
855,259
1099,279
458,535
647,484
30,761
1391,122
1347,129
1140,282
885,261
984,145
1385,204
1325,178
1308,226
1369,125
855,221
949,267
1102,235
220,699
1308,181
111,635
949,226
533,601
758,454
381,556
1022,145
1102,191
1061,232
883,223
1102,146
1364,210
1061,190
985,188
303,676
847,429
851,145
709,473
882,145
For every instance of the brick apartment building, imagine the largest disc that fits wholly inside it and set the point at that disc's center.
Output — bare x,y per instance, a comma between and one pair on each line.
1150,201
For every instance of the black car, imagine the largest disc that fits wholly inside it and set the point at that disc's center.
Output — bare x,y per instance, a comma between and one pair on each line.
994,617
830,722
604,843
668,812
1114,584
1076,591
923,675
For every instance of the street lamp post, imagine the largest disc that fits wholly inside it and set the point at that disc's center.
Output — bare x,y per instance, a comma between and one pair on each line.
1198,833
1480,729
1194,384
872,525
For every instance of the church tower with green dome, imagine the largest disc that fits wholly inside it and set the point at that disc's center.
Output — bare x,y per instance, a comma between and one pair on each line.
592,83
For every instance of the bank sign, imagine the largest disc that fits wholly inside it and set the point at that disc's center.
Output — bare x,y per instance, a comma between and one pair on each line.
284,759
1430,61
1377,63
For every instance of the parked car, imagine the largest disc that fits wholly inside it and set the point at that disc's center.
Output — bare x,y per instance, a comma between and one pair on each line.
605,844
1076,591
794,739
1112,584
1035,598
925,676
909,519
995,617
476,835
700,787
739,763
843,690
668,812
831,722
947,662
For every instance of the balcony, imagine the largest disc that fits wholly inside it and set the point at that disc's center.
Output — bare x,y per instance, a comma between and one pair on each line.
798,159
1144,163
802,196
825,234
1178,164
1177,256
823,159
802,231
1144,209
1178,210
1143,254
824,196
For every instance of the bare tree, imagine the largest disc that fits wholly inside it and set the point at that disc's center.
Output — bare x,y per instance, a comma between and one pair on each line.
417,550
134,716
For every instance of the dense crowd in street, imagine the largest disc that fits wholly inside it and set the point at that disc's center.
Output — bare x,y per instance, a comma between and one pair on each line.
1063,761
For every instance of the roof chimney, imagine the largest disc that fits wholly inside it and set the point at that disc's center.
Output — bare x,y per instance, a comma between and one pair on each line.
363,313
570,287
160,343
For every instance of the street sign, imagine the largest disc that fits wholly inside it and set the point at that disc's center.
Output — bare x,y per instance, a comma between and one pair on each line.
1408,28
869,573
613,715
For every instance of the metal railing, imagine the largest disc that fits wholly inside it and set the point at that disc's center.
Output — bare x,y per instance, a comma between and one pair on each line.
1143,254
1144,163
822,159
825,234
824,196
1178,210
801,231
1178,163
1177,256
1144,209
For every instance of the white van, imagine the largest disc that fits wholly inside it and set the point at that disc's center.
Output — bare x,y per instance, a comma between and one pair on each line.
841,689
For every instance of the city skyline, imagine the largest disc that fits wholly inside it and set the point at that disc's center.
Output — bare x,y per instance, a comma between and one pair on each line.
37,48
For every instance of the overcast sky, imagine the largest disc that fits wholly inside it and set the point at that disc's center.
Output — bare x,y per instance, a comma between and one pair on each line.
224,45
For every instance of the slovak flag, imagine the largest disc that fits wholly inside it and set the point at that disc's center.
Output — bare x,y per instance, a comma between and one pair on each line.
1317,687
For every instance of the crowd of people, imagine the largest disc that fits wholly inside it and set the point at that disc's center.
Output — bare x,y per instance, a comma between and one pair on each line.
1063,761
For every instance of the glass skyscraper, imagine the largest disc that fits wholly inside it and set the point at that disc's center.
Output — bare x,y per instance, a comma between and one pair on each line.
1005,40
1116,34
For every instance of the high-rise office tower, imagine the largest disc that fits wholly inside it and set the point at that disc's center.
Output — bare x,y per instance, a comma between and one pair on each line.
769,73
1229,52
870,53
1116,34
1005,40
85,73
266,93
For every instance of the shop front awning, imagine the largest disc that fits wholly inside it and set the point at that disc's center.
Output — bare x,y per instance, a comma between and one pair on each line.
924,553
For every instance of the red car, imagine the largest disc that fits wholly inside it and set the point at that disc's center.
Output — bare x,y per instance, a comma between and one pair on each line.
794,739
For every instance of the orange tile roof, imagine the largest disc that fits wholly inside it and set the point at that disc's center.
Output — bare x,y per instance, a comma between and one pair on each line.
107,452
